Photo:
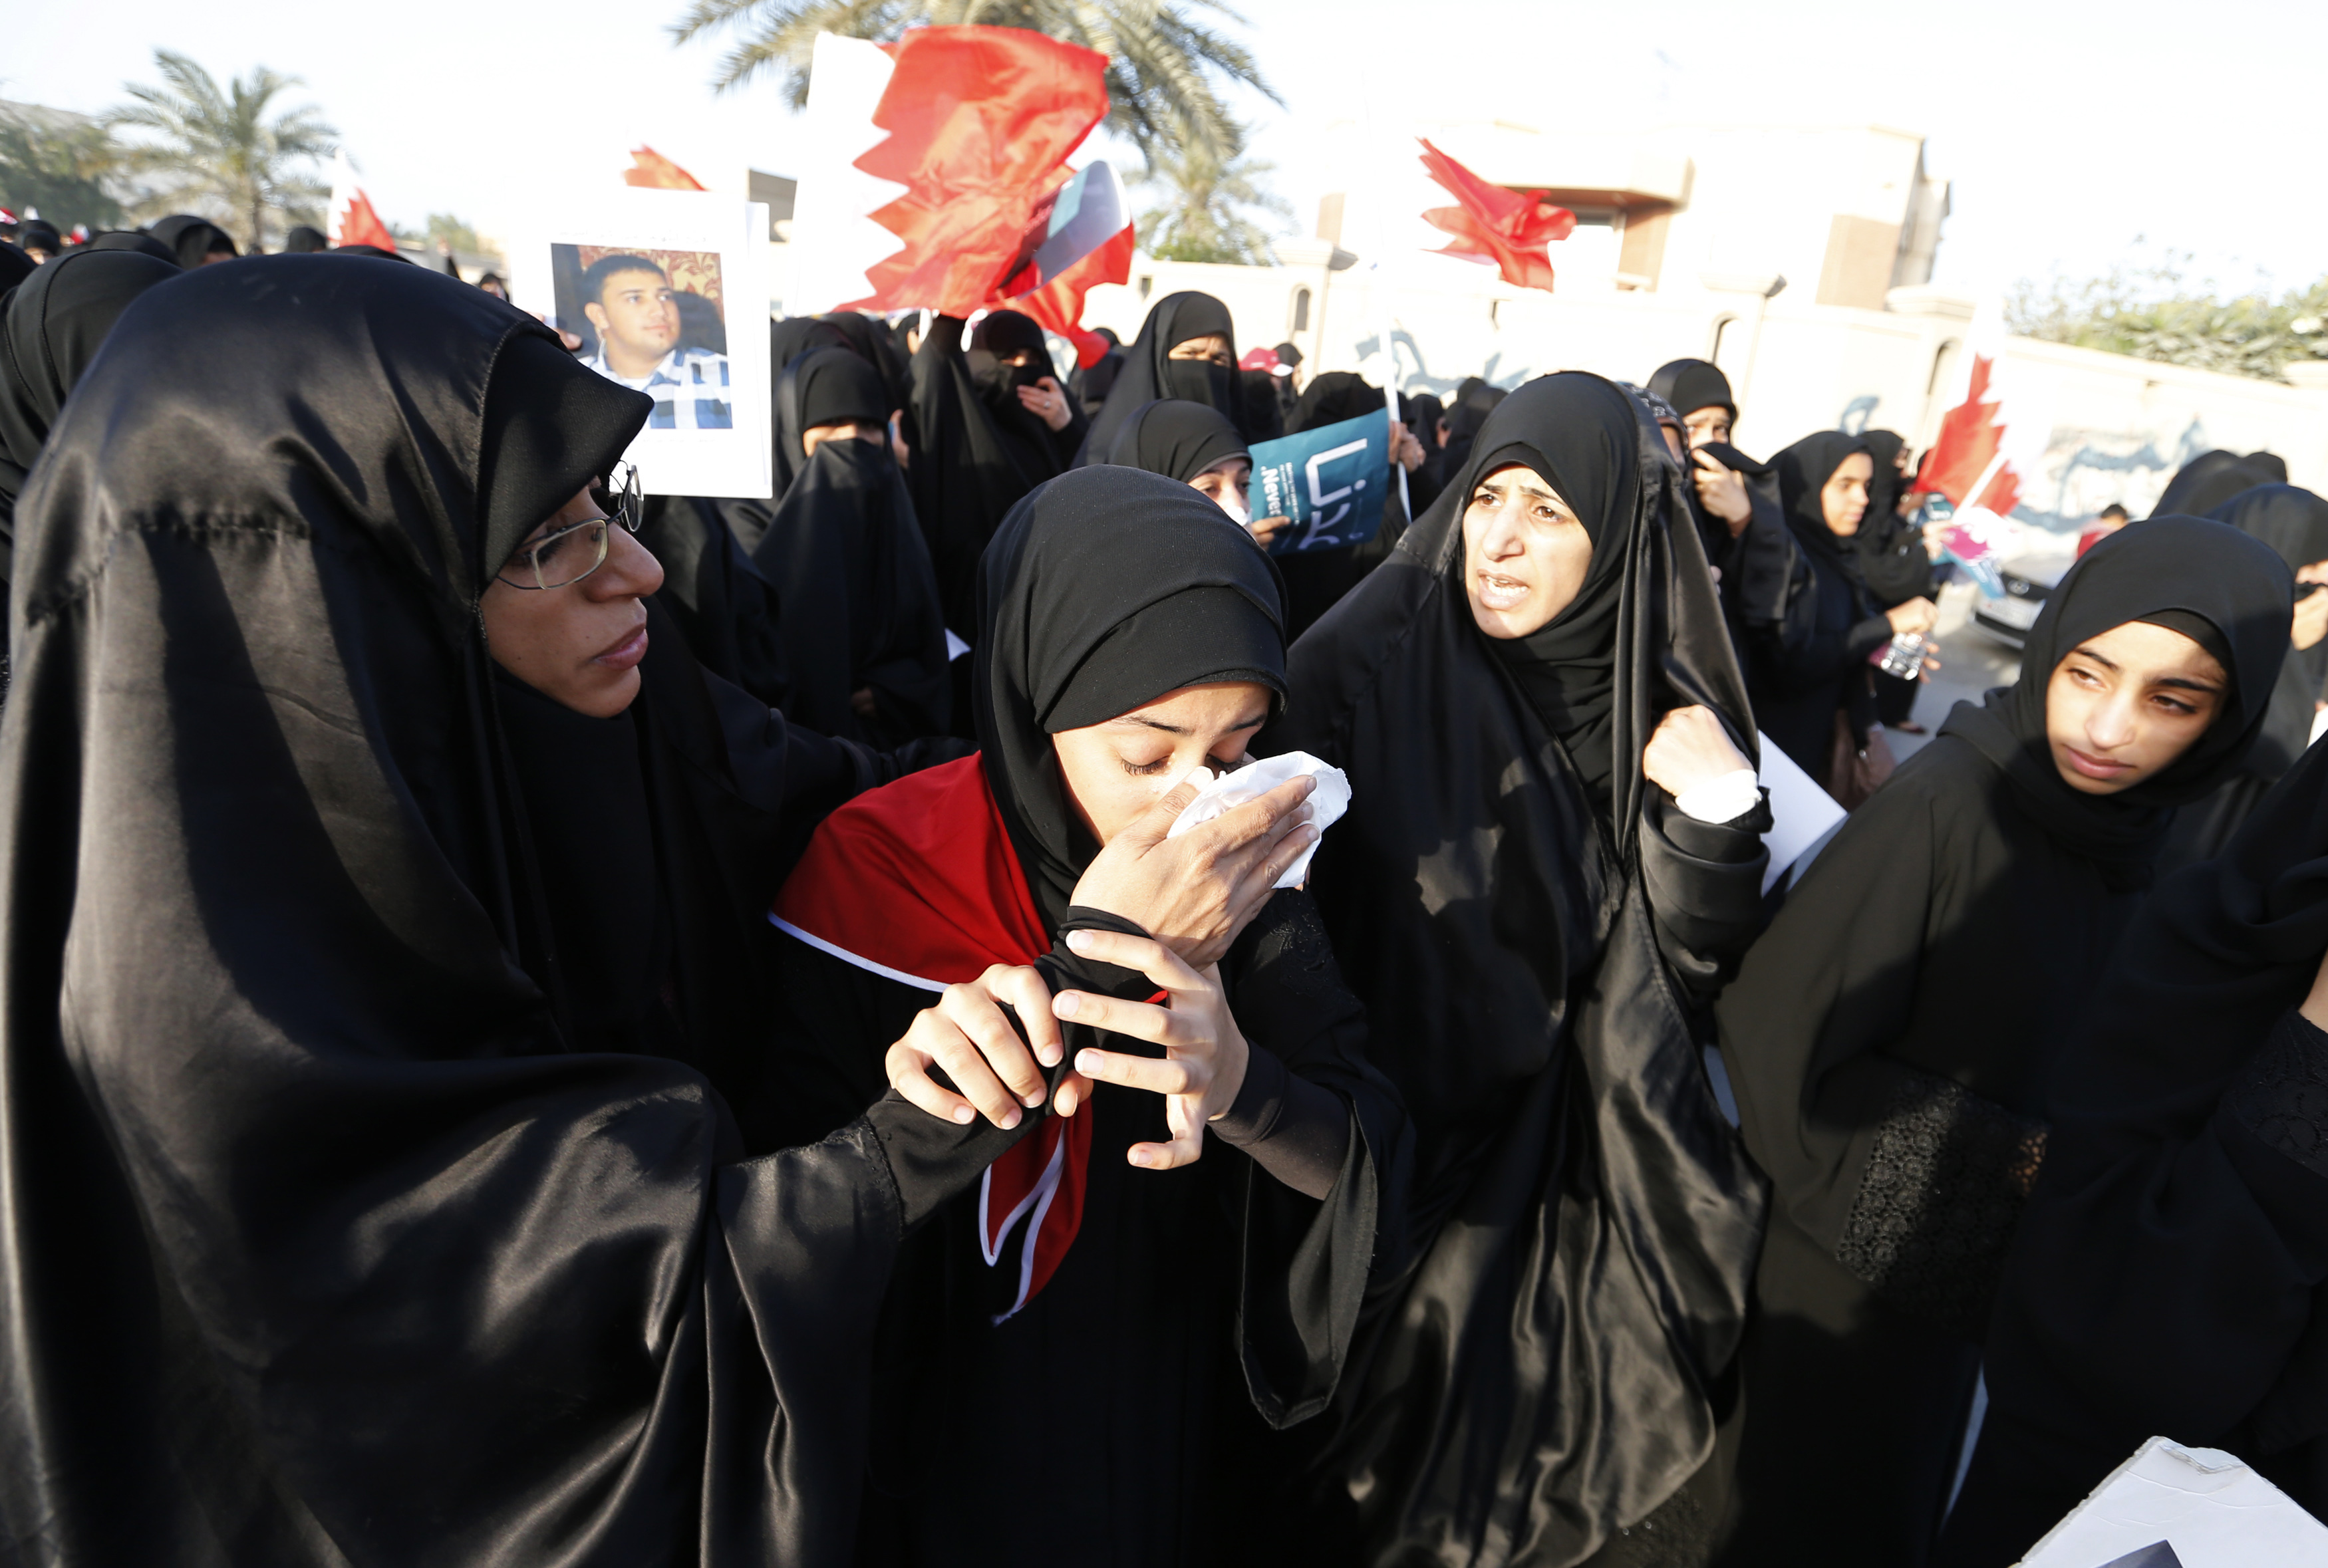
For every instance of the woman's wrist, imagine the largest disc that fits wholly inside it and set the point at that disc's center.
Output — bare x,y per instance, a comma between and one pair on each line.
1232,1056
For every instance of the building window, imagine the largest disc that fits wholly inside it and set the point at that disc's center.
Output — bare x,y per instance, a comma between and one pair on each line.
1300,310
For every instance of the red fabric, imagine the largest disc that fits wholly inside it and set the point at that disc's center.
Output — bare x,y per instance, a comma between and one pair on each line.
1258,359
920,876
981,122
1493,224
1969,437
1058,304
651,169
360,225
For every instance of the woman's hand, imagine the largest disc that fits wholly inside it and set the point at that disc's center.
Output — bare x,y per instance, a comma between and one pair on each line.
1918,614
1045,402
1204,1054
968,1036
1405,447
1721,491
1265,529
1196,892
1690,748
2316,1006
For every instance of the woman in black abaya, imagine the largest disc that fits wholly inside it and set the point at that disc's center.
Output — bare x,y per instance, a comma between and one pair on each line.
1123,1323
196,241
1529,914
2166,1277
2294,523
863,642
50,332
1186,350
383,1036
977,448
1891,1039
1894,565
1814,690
1199,447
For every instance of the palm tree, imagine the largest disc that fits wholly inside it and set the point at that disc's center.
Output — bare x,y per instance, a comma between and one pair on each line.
219,150
1162,58
1202,201
60,165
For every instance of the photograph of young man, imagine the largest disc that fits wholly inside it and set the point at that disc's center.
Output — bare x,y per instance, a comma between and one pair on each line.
631,306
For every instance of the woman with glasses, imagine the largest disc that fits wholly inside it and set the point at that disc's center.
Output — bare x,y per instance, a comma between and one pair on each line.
384,1058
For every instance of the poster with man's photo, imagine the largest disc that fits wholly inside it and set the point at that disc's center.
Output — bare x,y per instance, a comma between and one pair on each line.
667,291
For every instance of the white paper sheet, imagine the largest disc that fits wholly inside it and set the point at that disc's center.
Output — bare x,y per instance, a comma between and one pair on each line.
1801,814
2210,1508
1328,801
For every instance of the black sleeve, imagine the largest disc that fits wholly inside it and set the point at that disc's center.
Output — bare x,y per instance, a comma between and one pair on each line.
1296,1131
1704,882
1308,1259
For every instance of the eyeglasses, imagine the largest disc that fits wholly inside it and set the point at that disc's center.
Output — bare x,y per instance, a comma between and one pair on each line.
575,551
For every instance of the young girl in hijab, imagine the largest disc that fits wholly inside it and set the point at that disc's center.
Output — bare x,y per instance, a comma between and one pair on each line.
1814,689
1199,447
385,1027
1106,1300
1185,350
2294,523
1891,1039
1552,852
1894,565
2166,1276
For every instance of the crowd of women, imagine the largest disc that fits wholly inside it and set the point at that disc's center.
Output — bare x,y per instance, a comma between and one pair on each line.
540,1024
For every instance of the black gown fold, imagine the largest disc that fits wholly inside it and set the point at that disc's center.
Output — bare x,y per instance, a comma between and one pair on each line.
1541,1364
323,1240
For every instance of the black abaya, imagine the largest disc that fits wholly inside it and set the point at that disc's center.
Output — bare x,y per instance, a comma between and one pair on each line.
1891,1039
729,615
2294,523
1189,1300
1528,919
323,1242
1815,664
2167,1275
860,602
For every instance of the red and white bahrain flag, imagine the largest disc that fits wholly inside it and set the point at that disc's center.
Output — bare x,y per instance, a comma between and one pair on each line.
1507,230
934,176
352,219
650,170
1993,437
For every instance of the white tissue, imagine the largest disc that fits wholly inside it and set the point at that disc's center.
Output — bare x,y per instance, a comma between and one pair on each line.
1328,801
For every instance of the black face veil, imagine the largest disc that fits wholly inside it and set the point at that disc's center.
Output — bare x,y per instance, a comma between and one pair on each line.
1149,373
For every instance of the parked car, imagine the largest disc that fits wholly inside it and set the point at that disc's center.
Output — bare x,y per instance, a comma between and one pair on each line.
2029,578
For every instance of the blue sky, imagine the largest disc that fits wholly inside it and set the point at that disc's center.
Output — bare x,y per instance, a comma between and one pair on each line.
2068,131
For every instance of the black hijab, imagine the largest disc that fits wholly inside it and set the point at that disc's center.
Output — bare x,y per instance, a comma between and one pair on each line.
871,338
1567,668
1103,590
828,385
134,240
1151,373
2294,522
1803,470
14,266
2208,480
51,331
1690,385
1180,440
317,1131
858,599
2225,591
1000,335
1332,397
193,239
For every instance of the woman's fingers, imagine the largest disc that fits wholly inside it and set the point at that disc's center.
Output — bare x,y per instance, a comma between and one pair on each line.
909,1075
1158,1075
1022,987
1144,954
1073,1089
975,1013
936,1039
1137,1019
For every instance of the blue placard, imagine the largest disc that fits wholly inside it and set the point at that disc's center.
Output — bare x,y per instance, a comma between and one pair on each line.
1330,481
